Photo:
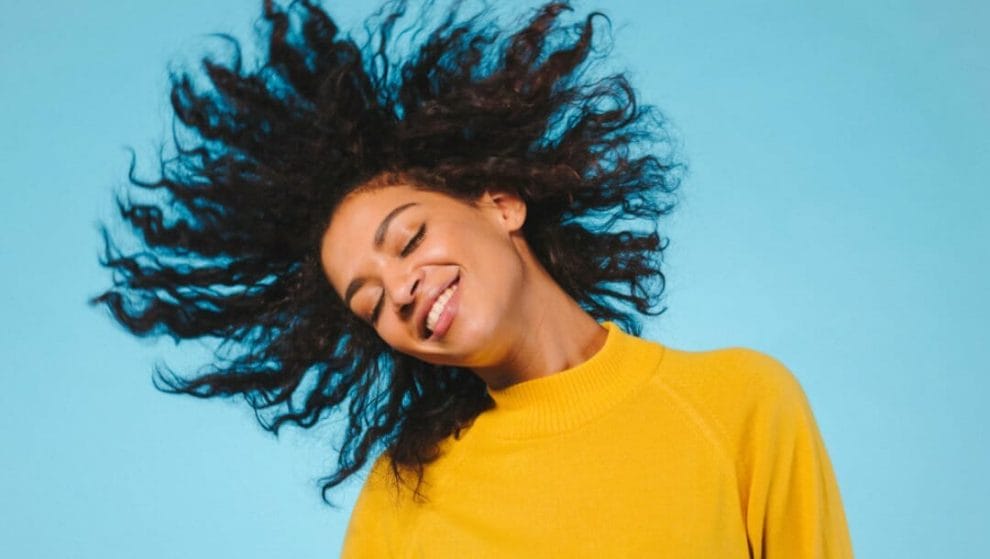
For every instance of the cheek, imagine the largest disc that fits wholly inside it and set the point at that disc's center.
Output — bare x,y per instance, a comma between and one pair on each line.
494,283
498,262
388,328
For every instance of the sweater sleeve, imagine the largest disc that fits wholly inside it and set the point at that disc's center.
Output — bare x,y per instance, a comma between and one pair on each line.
794,509
371,517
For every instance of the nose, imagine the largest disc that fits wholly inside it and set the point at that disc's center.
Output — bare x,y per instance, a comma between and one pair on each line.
403,290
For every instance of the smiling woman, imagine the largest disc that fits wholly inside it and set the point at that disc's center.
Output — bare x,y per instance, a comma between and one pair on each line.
454,283
455,247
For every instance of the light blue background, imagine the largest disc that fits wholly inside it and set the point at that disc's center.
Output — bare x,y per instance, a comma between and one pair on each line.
835,217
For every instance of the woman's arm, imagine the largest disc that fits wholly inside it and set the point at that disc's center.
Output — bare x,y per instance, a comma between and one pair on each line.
794,509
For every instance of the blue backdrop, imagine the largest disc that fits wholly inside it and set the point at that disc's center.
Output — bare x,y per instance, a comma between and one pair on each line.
835,216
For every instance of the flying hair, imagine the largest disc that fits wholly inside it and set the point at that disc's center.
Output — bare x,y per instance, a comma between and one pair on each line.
227,235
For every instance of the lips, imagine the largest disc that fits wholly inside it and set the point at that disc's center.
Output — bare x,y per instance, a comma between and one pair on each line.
424,312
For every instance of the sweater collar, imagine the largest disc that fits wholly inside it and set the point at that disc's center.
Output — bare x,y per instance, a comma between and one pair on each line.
574,396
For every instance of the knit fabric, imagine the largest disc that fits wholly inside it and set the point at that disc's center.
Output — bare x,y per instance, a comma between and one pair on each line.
641,451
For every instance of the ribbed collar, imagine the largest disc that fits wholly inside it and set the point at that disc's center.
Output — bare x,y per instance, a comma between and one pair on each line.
574,396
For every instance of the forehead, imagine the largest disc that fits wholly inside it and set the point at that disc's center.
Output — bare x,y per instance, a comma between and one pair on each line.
360,213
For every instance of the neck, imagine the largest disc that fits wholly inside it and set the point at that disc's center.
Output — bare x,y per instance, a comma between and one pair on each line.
554,334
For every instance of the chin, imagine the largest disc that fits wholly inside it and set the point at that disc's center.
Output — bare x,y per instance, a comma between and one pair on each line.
475,345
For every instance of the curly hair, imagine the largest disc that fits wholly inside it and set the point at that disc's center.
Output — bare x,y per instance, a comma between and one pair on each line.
228,234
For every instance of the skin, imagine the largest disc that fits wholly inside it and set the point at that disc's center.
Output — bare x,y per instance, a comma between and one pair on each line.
513,322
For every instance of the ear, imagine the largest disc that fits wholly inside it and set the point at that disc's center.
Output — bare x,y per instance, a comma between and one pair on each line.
507,207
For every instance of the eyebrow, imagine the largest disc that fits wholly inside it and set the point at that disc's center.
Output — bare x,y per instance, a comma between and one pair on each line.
356,283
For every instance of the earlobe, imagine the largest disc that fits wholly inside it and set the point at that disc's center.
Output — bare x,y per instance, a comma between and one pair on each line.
511,208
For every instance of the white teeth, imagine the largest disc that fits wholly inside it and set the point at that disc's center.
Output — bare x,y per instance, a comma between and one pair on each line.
438,306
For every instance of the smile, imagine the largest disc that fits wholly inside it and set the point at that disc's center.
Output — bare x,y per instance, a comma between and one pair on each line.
442,312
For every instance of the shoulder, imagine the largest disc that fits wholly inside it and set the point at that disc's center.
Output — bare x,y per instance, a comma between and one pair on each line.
737,390
375,488
378,513
383,485
746,376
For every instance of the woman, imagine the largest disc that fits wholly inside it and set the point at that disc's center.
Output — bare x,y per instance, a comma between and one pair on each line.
456,247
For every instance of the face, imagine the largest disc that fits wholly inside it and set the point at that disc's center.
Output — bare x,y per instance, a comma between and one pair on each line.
438,278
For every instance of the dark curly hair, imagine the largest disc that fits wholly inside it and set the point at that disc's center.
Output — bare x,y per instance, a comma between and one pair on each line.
227,237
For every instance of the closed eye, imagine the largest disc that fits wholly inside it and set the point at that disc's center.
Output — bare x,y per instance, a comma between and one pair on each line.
377,310
414,241
410,246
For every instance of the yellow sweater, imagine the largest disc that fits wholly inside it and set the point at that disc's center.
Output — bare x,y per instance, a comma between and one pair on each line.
641,451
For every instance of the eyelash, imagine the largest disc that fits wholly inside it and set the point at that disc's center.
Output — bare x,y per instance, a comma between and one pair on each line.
410,246
414,242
